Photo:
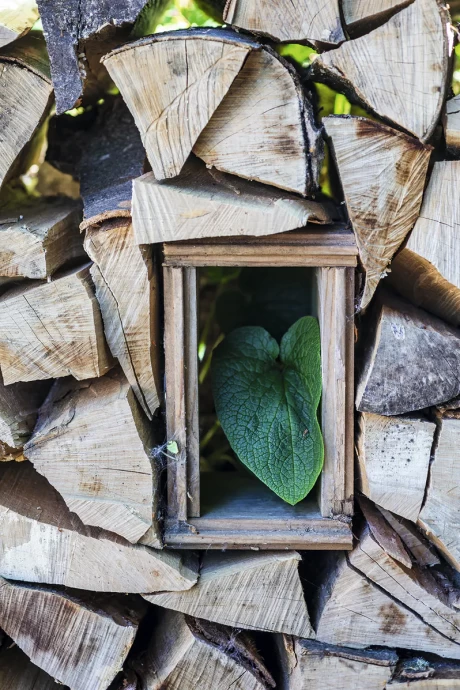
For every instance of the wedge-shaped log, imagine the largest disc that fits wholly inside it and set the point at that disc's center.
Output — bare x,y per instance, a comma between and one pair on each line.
79,32
80,640
440,515
383,204
185,653
284,20
173,83
16,20
380,530
204,203
256,591
394,456
19,405
44,542
360,15
25,95
36,240
17,672
93,444
127,289
352,611
419,547
452,125
52,329
412,360
383,71
427,270
311,665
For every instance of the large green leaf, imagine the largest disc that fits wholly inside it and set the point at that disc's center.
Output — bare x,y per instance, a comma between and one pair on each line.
266,397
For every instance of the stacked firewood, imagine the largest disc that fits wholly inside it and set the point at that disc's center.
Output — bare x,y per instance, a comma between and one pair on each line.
214,134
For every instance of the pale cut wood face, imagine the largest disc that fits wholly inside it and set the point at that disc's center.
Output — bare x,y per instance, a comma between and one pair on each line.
358,13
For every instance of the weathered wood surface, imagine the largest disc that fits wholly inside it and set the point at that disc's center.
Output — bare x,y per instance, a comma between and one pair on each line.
37,239
383,72
452,125
265,128
19,405
393,457
25,95
207,203
311,665
360,15
427,270
411,362
423,674
185,653
352,611
440,515
173,83
17,672
52,329
383,204
42,541
420,548
127,289
93,444
16,19
380,530
79,639
79,32
256,591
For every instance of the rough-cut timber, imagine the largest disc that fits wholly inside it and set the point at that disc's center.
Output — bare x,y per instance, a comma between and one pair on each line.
311,665
352,611
256,591
420,548
93,444
81,640
387,538
127,289
19,405
412,360
265,129
42,541
360,15
25,95
294,22
52,329
384,203
383,70
393,456
422,674
18,673
79,32
207,203
427,269
452,125
37,239
440,517
16,20
173,83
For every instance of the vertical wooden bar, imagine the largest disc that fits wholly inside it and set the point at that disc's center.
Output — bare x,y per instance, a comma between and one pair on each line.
175,391
191,391
350,392
335,330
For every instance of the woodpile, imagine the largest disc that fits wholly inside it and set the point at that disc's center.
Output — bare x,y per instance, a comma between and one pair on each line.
271,194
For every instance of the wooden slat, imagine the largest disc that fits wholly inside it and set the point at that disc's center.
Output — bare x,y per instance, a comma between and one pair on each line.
191,391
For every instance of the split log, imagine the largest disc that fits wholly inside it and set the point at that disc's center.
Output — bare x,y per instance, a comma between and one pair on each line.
42,541
185,653
394,456
421,674
77,35
440,515
19,405
17,672
383,72
452,125
206,203
256,591
387,538
255,121
38,239
361,16
126,280
311,665
427,270
412,360
352,611
293,22
81,640
25,94
17,20
93,444
419,547
383,204
52,329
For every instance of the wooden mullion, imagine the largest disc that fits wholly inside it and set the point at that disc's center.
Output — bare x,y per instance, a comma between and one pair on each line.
191,391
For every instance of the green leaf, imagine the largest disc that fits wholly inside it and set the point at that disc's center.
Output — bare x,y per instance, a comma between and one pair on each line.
268,406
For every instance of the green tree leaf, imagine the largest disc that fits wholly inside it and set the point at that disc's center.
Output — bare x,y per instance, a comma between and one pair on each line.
266,397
